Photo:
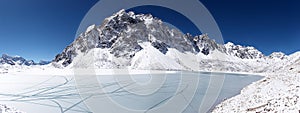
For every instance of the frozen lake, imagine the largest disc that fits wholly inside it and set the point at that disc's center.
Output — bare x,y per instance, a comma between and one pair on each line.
179,92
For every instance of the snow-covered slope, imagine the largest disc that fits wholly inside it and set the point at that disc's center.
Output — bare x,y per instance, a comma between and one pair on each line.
292,64
276,93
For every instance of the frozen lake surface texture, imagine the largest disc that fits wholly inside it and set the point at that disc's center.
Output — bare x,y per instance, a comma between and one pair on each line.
177,92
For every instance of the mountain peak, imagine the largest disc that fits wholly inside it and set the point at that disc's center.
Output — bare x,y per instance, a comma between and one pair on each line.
278,55
121,12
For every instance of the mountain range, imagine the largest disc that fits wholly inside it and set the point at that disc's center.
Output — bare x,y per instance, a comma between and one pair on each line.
141,41
18,60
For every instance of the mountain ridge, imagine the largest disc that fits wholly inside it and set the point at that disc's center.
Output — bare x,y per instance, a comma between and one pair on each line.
18,60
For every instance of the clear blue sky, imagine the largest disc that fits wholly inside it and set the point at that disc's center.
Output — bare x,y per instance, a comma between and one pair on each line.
40,29
269,25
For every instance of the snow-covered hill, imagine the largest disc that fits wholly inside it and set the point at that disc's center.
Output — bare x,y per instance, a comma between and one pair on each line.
276,93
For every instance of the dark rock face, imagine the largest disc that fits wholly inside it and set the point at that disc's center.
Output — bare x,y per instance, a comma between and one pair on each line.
205,50
162,47
10,62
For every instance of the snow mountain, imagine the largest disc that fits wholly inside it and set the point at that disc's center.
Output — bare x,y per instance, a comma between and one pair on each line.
122,34
141,41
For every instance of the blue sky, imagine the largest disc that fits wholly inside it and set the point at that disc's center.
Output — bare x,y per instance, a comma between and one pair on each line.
40,29
269,25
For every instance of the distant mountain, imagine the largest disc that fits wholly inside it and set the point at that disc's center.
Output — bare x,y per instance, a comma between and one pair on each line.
17,60
43,62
